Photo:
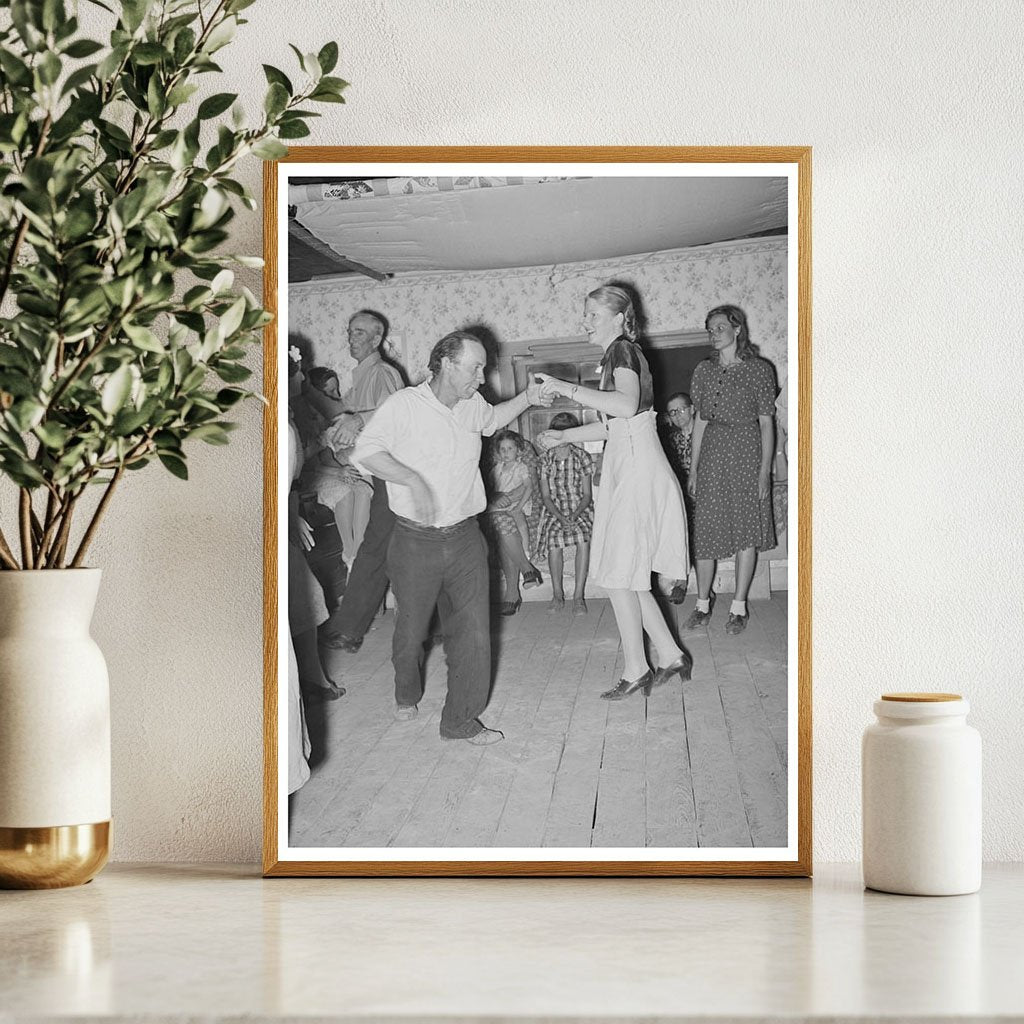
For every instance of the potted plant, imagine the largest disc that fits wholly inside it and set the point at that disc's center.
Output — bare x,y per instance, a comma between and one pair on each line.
122,339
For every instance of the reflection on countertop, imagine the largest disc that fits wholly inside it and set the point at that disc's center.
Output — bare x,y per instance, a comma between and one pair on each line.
177,941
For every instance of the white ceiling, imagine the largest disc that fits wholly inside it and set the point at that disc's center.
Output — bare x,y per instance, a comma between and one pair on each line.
546,223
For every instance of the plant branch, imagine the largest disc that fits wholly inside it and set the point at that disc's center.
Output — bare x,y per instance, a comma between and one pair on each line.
60,545
6,555
25,521
52,526
94,523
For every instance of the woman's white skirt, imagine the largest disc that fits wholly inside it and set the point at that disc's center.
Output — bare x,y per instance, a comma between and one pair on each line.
639,516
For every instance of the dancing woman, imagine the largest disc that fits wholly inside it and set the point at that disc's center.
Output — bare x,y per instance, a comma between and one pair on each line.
639,517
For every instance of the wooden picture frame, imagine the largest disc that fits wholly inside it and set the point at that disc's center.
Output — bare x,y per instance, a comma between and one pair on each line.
785,256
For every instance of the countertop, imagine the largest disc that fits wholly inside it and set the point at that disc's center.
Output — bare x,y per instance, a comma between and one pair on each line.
175,942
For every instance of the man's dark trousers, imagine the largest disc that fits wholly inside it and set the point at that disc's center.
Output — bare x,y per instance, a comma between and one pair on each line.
446,568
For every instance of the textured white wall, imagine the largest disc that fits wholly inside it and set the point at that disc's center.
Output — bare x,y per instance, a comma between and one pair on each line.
913,110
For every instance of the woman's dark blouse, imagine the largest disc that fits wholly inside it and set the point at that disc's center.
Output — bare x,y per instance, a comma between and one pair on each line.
623,353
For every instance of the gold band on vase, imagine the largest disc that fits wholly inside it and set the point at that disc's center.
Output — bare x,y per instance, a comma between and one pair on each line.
52,857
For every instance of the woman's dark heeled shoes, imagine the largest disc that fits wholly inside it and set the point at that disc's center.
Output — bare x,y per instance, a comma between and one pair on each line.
509,607
625,687
682,666
532,578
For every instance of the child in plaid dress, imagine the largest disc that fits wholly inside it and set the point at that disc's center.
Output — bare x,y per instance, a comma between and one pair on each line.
567,516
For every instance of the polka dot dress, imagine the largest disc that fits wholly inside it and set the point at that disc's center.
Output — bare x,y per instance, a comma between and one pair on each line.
728,515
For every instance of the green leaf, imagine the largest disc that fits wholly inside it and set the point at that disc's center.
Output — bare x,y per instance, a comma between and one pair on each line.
211,433
276,100
49,68
145,54
144,338
53,14
232,319
328,58
274,76
184,44
174,464
53,435
195,296
227,397
292,130
221,35
134,13
14,68
83,48
38,305
116,390
181,94
232,373
26,413
129,421
222,281
27,23
163,139
156,101
12,356
21,471
109,65
269,149
193,379
254,262
326,96
77,79
214,105
334,84
16,383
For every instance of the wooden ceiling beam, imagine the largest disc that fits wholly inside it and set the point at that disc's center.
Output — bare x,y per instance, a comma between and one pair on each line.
345,265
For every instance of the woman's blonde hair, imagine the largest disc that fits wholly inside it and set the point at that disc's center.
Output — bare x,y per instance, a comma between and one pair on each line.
618,300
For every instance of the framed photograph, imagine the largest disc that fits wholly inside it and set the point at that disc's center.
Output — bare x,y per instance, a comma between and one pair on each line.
537,520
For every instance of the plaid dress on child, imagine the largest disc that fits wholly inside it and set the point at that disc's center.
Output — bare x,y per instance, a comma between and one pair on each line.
564,479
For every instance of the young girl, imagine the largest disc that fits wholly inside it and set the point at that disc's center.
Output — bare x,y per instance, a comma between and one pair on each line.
567,516
512,484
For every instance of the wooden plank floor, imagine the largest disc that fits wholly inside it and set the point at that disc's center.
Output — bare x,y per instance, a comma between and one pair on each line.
702,764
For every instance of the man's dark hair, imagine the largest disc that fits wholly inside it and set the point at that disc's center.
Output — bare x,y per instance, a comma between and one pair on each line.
449,347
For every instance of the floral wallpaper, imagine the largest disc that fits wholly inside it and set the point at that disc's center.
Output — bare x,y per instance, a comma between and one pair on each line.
677,288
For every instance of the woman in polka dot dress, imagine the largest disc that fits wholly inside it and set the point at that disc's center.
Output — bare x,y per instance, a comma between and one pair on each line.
733,393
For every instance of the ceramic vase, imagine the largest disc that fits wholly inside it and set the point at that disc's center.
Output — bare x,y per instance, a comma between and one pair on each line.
54,731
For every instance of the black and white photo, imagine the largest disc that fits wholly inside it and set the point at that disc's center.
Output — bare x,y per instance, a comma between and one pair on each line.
542,493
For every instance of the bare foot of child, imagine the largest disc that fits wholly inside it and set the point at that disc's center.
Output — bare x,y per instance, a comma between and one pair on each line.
579,606
556,604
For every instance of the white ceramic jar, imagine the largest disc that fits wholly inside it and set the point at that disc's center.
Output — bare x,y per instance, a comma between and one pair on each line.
921,788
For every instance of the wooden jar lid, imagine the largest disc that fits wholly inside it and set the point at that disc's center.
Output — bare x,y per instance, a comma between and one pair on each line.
921,698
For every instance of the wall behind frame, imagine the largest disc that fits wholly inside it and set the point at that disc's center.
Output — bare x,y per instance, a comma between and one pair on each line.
917,309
